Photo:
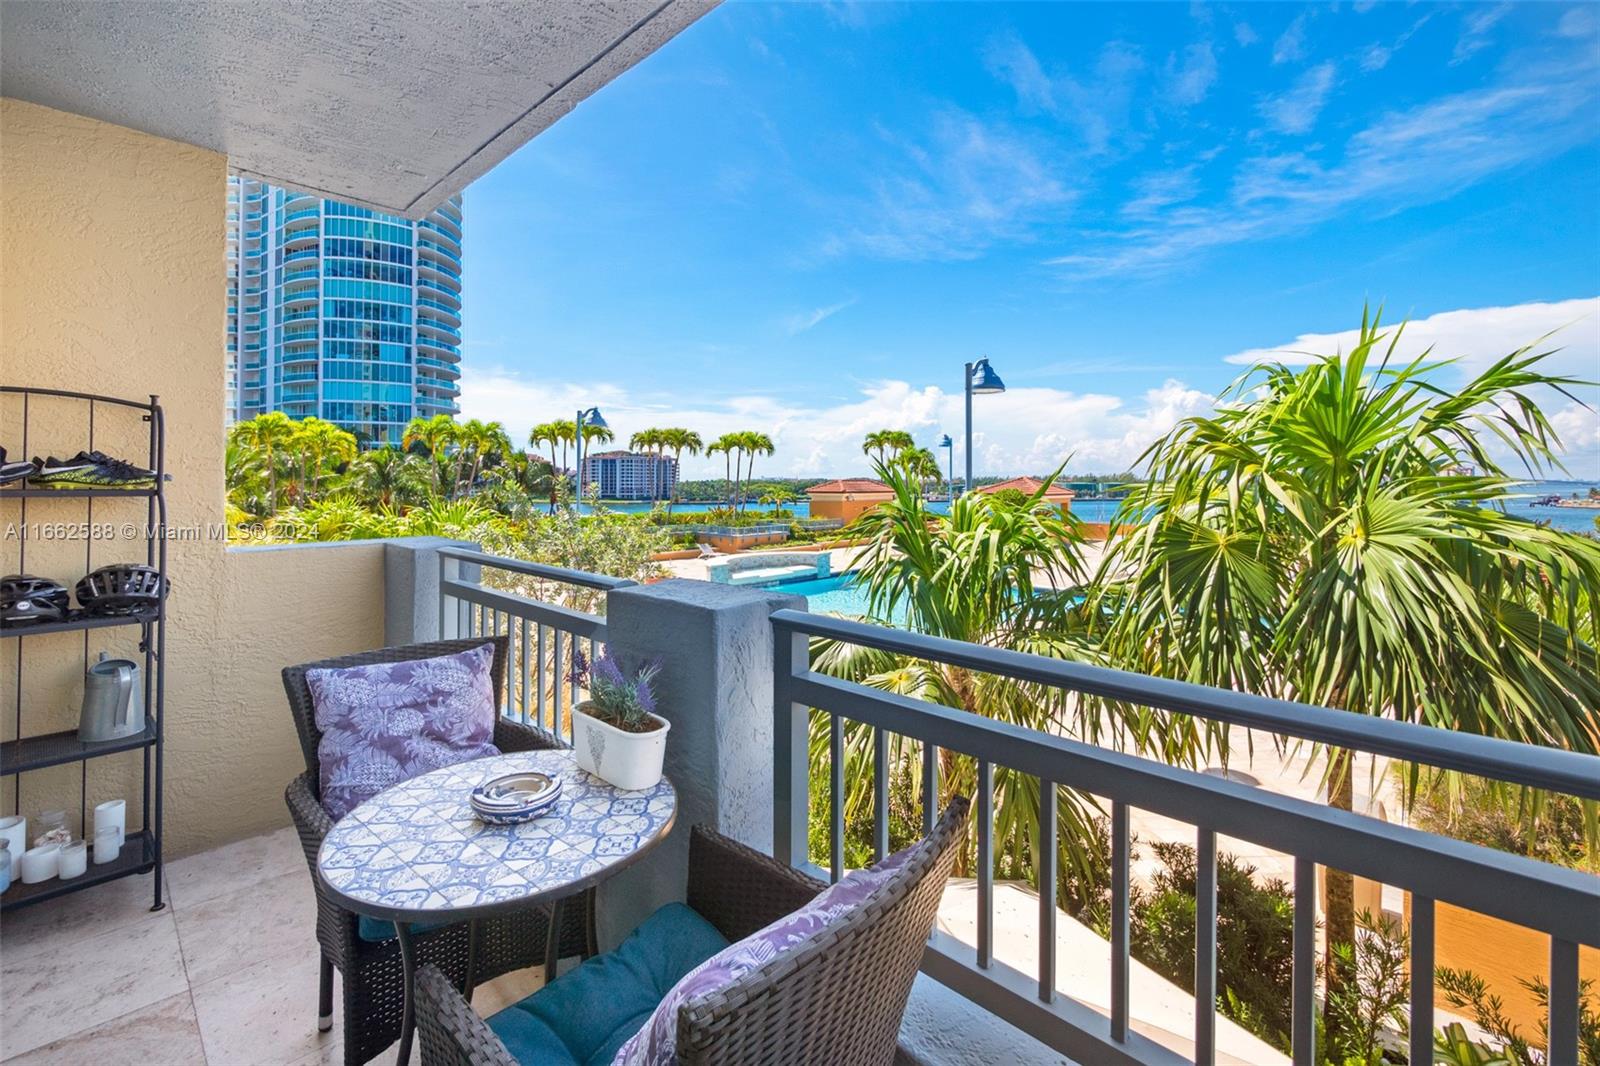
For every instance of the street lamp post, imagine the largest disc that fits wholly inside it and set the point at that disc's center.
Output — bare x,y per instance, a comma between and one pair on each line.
981,379
591,417
949,447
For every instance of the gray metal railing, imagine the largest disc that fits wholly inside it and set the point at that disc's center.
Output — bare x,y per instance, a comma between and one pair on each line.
1561,902
549,613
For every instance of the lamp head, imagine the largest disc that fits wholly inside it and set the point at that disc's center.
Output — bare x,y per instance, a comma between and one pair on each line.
946,442
984,380
593,417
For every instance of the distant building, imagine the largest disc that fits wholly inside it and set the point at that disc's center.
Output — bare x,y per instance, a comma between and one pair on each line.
847,499
1055,494
341,312
630,475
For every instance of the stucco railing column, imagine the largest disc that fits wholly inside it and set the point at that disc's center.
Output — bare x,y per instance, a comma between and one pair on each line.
411,588
714,643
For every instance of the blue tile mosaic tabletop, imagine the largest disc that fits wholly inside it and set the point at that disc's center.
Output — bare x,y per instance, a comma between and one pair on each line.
418,847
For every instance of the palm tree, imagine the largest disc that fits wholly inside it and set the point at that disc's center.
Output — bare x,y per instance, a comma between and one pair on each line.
753,444
318,443
652,442
777,497
519,479
998,576
729,445
386,476
268,435
680,441
883,442
549,433
479,441
1305,542
591,436
436,435
921,463
244,473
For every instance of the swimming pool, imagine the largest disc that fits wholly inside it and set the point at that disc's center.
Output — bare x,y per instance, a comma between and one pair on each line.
838,594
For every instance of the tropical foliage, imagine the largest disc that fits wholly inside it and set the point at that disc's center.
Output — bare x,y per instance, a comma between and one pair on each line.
1306,541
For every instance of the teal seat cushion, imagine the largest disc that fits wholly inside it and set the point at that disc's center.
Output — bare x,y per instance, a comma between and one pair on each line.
377,930
583,1017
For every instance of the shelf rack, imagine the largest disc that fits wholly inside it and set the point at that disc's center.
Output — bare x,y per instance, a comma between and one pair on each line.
141,850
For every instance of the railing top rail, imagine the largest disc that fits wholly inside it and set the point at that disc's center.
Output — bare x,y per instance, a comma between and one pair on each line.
553,615
1524,764
540,570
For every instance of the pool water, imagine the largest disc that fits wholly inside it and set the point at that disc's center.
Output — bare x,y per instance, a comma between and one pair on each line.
839,594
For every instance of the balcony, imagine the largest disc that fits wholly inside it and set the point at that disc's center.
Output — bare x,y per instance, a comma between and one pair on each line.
985,978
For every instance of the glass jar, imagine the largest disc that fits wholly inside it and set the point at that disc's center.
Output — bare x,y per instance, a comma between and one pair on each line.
5,864
52,829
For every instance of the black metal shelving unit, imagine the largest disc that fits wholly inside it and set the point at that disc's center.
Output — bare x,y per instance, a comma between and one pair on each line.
141,851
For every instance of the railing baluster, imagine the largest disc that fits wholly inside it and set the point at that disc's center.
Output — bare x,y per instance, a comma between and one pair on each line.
1302,1009
835,796
985,863
538,708
1205,949
930,787
1047,890
526,669
557,682
791,742
1120,874
1421,979
880,794
1563,1002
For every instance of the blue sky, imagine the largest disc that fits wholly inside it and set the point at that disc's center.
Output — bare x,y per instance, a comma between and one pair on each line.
804,218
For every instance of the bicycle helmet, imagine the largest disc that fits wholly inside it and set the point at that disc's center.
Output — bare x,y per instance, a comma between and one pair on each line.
25,599
122,588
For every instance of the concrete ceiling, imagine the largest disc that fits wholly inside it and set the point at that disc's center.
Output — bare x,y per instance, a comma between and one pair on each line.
394,105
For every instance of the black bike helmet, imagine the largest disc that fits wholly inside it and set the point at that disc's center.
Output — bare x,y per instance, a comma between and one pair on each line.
25,599
122,588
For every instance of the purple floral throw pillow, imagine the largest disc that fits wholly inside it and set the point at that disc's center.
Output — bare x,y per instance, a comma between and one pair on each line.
388,722
656,1043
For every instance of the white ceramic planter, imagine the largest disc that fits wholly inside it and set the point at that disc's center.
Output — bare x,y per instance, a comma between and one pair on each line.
630,761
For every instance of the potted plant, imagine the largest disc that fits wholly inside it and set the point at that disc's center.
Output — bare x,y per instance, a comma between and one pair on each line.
616,734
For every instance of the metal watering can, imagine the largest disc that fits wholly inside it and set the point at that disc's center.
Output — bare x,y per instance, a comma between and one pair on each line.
113,701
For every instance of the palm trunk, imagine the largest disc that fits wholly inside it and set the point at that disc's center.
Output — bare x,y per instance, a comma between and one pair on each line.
1339,911
727,476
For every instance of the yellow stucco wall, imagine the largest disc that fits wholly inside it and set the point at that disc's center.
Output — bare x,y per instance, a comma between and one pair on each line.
111,281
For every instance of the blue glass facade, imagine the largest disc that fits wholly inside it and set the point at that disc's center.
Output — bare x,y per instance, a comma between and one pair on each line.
341,312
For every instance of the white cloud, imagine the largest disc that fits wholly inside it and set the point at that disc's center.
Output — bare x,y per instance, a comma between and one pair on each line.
1291,44
1475,27
1189,81
1578,22
1024,430
1156,192
1402,159
952,194
1244,35
1296,111
799,323
1096,103
1476,337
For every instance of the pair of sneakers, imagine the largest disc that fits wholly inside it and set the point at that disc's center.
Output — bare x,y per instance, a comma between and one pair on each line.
86,470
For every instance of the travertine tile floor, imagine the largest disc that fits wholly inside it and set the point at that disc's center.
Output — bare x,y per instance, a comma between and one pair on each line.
226,975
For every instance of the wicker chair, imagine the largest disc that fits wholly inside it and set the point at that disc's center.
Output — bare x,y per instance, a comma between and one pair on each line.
373,982
837,999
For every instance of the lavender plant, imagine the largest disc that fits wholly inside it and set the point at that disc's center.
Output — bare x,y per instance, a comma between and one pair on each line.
618,696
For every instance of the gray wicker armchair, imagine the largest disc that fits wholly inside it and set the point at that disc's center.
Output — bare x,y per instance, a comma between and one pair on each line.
373,981
836,999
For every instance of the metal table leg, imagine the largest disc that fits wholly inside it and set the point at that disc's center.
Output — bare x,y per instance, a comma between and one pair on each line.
408,967
552,942
472,959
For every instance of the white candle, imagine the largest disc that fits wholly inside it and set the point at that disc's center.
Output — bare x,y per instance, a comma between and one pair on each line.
112,813
73,860
41,863
107,844
15,830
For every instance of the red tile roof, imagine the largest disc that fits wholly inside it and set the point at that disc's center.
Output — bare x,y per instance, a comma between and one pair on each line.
850,484
1029,485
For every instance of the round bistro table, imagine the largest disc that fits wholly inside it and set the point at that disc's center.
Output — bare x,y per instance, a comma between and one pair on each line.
416,853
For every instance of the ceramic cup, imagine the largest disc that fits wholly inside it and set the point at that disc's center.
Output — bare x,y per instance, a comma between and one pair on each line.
41,863
73,860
